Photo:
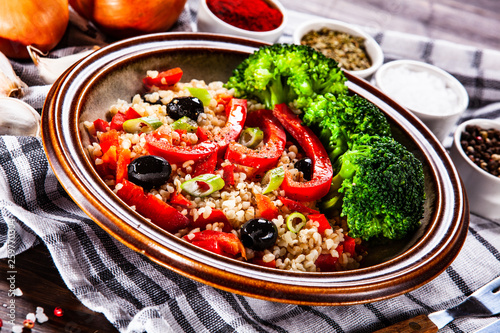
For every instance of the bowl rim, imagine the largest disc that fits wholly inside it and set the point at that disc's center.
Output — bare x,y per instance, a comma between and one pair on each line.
377,56
256,34
457,86
61,131
482,122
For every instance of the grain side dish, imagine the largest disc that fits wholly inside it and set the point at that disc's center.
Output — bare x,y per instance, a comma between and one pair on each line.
223,169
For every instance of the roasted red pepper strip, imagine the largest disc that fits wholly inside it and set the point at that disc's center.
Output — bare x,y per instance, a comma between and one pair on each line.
158,143
319,185
180,200
216,215
122,163
236,116
108,139
223,243
148,205
164,79
295,206
266,157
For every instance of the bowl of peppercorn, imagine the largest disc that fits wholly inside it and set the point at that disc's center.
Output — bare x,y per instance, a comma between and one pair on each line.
264,20
355,50
476,154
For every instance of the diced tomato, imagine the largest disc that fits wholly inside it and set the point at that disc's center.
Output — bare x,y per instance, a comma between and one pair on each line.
267,156
349,245
121,165
224,243
228,174
180,200
151,207
164,79
319,185
101,125
216,215
322,220
108,139
266,207
295,206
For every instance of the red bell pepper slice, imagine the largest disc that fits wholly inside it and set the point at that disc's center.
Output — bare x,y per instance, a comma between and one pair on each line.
122,163
216,215
228,175
257,260
180,200
224,243
108,139
120,117
266,207
322,220
148,205
326,263
349,245
160,144
164,79
295,206
266,157
319,185
101,125
236,112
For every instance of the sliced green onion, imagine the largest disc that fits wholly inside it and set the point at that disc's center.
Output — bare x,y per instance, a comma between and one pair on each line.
273,178
185,123
251,137
202,94
295,222
331,203
203,185
143,124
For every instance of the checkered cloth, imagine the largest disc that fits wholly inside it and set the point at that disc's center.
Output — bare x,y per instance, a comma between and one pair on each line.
137,295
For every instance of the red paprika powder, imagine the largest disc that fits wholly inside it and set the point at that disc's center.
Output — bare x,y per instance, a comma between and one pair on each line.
253,15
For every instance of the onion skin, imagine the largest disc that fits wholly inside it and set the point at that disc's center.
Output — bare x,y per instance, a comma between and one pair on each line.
127,18
41,24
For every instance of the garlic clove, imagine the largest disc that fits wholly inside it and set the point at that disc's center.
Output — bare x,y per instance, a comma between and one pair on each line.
18,118
51,68
10,84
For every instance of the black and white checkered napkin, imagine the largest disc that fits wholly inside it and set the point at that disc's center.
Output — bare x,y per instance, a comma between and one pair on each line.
137,295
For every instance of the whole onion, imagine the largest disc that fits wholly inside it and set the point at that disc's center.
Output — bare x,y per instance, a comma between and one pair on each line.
31,22
126,18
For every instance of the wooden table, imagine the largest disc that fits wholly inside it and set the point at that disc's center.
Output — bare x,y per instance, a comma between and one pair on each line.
474,23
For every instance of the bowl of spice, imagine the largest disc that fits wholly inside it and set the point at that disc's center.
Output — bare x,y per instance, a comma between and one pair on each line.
354,50
432,94
258,19
476,154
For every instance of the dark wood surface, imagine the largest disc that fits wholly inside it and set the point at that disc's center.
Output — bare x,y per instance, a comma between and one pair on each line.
475,23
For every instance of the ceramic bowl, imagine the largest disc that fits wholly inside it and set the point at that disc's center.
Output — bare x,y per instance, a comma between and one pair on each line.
208,22
373,49
483,188
86,91
440,120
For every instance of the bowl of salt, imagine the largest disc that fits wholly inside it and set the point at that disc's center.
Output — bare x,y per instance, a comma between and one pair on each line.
432,94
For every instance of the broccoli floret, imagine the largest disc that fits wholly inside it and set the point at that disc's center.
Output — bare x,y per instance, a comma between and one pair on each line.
287,73
380,186
342,118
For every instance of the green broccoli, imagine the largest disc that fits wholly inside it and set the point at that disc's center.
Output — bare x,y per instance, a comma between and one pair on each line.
380,187
287,73
343,118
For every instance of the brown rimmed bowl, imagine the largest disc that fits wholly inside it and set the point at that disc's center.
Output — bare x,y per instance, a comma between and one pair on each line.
85,92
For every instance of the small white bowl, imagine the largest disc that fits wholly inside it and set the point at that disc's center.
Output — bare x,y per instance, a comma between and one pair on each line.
208,22
483,188
372,47
439,122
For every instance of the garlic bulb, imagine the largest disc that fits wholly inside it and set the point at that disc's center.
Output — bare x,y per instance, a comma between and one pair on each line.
10,84
51,68
31,22
18,118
